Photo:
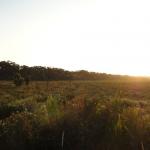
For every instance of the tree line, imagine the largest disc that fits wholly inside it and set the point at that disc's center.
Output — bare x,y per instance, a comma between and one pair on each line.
10,70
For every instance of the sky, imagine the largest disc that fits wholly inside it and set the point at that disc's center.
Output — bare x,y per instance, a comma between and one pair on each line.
110,36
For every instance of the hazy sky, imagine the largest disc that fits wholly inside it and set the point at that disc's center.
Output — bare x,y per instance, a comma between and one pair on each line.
110,36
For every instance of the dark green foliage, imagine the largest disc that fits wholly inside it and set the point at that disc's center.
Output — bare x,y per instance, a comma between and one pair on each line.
6,110
18,131
38,73
18,79
8,70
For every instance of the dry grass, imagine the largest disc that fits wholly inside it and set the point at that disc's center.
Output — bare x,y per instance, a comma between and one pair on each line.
92,115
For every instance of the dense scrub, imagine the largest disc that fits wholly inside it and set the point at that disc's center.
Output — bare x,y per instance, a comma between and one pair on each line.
75,116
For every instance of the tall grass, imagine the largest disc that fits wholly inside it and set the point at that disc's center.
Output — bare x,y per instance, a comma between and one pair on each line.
75,121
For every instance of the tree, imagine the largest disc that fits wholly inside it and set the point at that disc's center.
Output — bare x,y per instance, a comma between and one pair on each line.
8,70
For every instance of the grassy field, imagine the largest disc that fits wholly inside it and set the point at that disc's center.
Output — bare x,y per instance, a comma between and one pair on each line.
75,115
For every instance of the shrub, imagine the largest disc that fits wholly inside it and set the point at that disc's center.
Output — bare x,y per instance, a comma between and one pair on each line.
18,80
19,131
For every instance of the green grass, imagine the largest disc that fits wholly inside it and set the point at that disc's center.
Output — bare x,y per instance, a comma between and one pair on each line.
92,115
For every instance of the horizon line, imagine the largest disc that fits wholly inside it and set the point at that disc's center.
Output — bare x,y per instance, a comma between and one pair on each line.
90,71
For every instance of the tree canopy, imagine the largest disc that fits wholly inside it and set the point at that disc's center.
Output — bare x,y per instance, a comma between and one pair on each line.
9,69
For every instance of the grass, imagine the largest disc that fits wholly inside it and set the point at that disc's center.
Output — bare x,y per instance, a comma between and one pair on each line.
90,115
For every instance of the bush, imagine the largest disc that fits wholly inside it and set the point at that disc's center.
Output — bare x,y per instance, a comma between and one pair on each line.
18,80
19,131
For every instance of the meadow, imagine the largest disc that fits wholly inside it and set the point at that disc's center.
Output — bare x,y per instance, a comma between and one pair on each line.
75,115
